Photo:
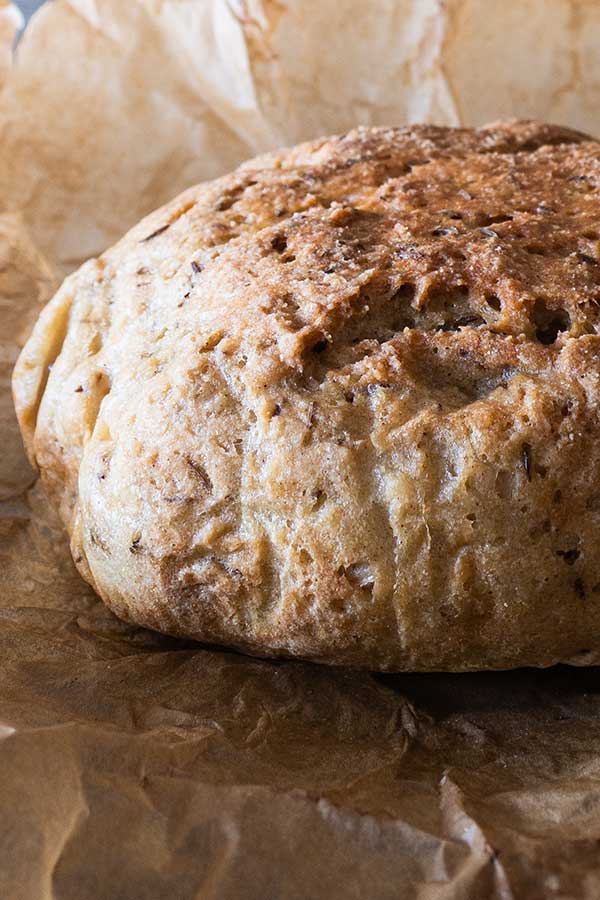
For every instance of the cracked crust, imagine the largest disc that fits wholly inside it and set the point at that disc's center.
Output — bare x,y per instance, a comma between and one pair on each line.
343,403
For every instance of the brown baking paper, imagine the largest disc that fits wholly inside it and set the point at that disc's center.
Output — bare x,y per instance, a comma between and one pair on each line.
134,766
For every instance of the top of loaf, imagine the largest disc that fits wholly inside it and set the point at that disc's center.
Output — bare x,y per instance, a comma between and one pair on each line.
358,237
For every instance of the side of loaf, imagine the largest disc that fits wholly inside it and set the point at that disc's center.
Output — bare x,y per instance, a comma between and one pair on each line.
342,404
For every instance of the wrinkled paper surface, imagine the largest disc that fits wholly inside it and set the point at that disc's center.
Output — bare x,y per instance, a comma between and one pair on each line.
133,766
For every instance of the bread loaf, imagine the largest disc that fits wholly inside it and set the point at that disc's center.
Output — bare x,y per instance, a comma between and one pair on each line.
342,404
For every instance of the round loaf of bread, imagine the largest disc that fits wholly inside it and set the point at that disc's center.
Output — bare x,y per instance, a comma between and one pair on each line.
343,404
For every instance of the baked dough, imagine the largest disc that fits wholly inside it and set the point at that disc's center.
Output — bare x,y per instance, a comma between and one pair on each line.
343,403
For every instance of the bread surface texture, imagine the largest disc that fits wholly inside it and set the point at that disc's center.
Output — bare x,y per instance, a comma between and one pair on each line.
342,403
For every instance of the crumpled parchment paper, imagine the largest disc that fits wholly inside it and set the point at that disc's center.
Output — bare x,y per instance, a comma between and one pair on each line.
133,766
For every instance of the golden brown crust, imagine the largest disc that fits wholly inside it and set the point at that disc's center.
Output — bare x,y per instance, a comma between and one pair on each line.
343,403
